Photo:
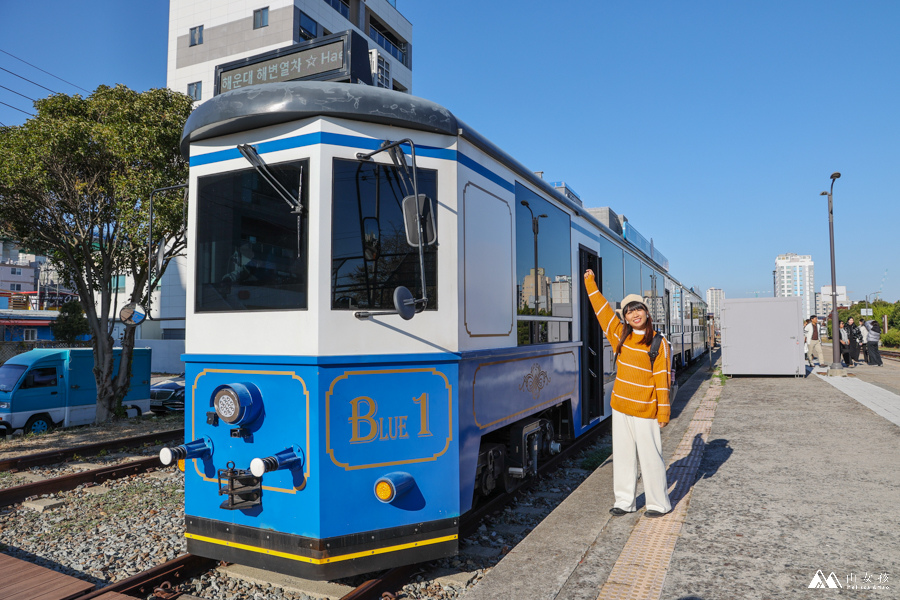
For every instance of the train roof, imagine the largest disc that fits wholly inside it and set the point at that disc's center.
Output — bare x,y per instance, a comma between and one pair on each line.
268,104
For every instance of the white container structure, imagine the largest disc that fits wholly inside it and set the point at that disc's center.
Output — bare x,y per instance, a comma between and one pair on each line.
762,336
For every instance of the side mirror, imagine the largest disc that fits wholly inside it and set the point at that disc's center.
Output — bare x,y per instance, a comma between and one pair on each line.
411,212
161,255
132,314
404,303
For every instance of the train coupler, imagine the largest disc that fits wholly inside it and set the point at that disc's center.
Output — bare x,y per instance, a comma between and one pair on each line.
242,488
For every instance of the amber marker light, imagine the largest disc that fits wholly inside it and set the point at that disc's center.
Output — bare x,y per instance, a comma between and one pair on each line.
393,486
181,465
384,490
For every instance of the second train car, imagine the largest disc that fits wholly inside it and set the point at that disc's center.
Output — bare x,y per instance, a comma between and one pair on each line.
385,321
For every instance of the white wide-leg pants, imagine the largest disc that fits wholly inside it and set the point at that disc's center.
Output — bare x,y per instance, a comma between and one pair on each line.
636,439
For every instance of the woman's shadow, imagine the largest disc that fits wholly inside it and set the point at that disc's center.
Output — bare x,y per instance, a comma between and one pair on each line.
683,473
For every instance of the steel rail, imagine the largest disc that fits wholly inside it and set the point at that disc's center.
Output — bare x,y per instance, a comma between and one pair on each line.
175,571
70,482
53,456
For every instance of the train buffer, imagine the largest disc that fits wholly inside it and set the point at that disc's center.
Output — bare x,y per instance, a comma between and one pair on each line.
777,484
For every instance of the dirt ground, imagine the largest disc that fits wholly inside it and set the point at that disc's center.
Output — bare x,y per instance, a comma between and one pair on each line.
12,446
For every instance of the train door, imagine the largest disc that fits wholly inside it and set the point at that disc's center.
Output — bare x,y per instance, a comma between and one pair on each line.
591,345
670,329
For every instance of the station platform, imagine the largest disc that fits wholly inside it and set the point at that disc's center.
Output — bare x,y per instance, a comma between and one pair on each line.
778,484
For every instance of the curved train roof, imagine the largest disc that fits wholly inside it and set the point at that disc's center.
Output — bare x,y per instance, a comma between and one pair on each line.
268,104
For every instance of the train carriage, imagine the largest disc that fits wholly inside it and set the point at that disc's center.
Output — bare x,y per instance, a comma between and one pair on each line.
385,321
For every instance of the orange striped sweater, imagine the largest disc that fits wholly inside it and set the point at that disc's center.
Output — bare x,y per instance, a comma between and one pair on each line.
639,390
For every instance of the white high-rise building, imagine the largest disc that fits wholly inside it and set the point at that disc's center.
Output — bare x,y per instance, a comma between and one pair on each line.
795,276
714,299
204,34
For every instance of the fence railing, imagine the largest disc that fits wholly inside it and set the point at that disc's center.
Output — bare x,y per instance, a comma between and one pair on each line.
10,349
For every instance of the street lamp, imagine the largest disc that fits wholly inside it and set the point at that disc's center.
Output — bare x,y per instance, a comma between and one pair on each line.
835,334
867,301
535,227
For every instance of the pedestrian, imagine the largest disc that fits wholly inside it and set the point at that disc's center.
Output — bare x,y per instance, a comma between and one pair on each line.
872,343
806,345
855,338
844,337
863,337
812,338
640,402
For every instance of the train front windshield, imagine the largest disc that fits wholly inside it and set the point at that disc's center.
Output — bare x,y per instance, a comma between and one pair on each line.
370,254
252,250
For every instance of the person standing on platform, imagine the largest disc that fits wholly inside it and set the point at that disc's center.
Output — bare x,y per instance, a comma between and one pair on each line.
640,402
853,332
863,337
812,339
872,343
844,336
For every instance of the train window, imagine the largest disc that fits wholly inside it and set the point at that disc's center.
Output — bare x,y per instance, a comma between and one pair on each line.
369,253
543,246
613,276
654,293
252,251
632,275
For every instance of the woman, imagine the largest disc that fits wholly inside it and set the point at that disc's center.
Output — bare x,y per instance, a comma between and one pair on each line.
872,343
855,337
640,402
845,344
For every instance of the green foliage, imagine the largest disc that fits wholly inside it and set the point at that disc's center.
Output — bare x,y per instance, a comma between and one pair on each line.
71,323
75,181
891,339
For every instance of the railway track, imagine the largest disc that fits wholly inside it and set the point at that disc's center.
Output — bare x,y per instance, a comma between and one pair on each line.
49,457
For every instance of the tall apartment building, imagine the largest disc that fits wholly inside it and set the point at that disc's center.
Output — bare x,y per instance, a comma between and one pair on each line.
714,299
795,276
206,33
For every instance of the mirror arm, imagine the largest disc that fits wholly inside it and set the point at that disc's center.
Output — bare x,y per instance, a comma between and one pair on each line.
150,244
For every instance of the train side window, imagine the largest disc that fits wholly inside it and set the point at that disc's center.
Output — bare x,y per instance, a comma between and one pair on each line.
370,256
543,270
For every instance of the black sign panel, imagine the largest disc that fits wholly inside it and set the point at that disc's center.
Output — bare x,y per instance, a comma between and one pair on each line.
340,57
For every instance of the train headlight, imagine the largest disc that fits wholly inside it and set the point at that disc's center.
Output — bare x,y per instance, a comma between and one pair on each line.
237,403
393,486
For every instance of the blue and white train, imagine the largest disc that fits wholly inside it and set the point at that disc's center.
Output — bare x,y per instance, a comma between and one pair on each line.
385,321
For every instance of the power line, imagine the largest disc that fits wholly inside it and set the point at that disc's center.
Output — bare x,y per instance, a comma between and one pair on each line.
15,92
18,109
29,81
47,72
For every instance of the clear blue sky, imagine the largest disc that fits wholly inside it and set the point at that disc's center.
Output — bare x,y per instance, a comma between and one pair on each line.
713,126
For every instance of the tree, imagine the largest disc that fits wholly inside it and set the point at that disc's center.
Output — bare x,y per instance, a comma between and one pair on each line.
71,323
75,182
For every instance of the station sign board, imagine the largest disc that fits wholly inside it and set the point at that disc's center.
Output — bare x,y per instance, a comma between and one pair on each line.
339,57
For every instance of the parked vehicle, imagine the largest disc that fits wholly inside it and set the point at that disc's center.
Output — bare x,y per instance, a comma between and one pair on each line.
167,396
47,388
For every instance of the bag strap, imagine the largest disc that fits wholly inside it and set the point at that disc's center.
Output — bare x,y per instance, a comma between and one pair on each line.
654,349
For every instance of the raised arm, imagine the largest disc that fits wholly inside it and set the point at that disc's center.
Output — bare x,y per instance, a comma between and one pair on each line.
606,316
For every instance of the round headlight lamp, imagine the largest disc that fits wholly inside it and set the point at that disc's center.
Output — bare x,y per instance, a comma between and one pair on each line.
237,403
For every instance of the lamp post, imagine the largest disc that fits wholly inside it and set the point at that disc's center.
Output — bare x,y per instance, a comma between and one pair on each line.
535,227
835,334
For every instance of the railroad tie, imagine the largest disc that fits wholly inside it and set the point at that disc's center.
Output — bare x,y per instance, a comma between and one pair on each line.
641,569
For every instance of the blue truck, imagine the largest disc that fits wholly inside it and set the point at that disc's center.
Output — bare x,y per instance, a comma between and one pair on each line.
47,388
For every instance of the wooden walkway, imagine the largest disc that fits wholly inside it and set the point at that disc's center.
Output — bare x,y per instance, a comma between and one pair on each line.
26,581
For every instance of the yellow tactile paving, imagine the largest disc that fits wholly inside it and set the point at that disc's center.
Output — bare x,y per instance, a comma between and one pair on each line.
641,569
